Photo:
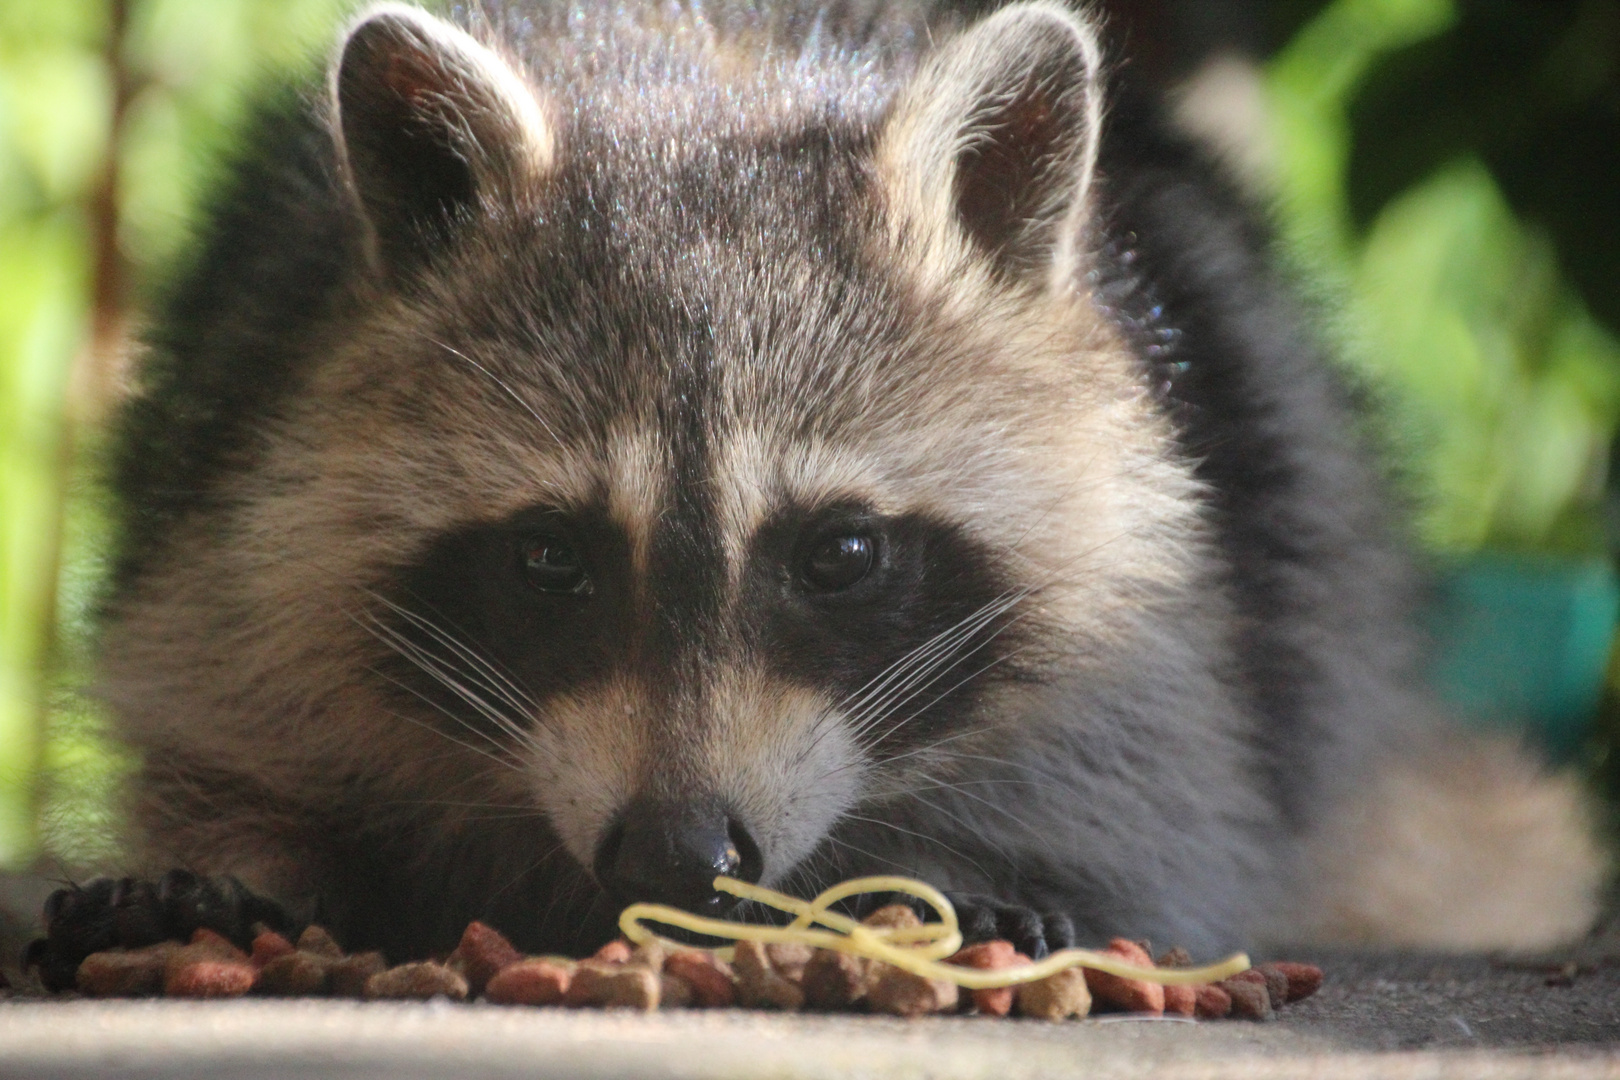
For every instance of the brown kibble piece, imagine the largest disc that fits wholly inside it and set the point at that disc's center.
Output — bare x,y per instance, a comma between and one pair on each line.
711,980
789,958
1303,979
268,945
296,974
991,956
674,992
315,939
900,993
893,917
1130,995
417,982
481,952
834,980
1249,998
614,986
1212,1003
759,986
538,981
347,977
210,978
125,973
1176,958
1057,997
617,951
1180,1001
1276,984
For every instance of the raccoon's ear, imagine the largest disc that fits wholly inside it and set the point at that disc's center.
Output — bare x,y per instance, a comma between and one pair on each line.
995,141
431,125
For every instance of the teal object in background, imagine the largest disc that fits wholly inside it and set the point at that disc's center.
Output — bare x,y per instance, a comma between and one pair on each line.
1523,642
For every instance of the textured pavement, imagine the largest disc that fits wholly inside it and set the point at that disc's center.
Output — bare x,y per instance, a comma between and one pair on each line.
1376,1016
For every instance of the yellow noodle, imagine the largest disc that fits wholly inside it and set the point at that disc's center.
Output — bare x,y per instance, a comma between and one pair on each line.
918,950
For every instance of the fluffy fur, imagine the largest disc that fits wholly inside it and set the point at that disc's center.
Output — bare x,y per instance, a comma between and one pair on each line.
681,293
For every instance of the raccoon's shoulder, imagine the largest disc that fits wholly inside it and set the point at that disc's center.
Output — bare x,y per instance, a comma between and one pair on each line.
229,331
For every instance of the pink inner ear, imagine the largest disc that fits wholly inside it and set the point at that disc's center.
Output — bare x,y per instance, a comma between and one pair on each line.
413,77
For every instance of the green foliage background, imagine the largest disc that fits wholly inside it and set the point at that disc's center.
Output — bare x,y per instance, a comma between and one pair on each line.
1505,388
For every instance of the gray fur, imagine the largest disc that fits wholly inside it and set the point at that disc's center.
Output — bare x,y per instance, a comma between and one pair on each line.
711,285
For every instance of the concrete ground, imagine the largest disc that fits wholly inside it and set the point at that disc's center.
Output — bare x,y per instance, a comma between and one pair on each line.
1377,1015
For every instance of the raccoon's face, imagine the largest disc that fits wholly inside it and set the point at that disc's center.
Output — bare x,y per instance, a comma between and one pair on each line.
716,478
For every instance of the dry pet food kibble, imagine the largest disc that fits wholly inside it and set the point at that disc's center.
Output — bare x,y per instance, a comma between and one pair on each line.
417,982
891,962
540,981
1057,997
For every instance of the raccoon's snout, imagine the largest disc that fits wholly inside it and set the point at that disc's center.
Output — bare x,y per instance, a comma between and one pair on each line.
670,853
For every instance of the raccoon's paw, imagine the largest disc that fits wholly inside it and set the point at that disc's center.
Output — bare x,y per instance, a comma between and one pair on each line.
108,913
984,918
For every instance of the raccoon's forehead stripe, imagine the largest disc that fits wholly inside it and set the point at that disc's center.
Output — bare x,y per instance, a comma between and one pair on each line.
685,580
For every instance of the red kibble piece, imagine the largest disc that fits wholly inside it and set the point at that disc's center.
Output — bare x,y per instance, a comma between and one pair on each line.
1129,995
1211,1002
209,979
991,956
537,981
1180,1001
614,952
483,951
984,956
711,979
1303,979
267,946
217,944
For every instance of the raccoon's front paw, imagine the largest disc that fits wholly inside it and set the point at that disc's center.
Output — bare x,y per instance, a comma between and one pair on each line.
108,913
984,918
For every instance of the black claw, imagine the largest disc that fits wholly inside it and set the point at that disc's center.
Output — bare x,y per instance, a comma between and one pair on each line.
1025,929
977,923
985,918
1059,930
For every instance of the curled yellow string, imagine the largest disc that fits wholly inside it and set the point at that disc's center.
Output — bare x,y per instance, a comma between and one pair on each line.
918,950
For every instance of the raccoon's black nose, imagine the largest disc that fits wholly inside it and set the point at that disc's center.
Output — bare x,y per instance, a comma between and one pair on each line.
668,853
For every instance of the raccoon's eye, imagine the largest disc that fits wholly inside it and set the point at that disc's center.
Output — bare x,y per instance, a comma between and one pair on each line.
836,562
552,564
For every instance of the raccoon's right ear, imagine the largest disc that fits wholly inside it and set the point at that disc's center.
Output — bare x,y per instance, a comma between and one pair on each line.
990,152
431,125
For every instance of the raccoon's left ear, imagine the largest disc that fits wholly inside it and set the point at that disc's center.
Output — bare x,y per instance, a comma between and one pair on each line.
994,143
432,126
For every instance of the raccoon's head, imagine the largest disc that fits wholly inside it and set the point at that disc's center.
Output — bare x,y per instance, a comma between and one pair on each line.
724,453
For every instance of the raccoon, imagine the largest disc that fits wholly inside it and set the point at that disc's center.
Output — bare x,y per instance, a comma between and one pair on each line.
600,447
